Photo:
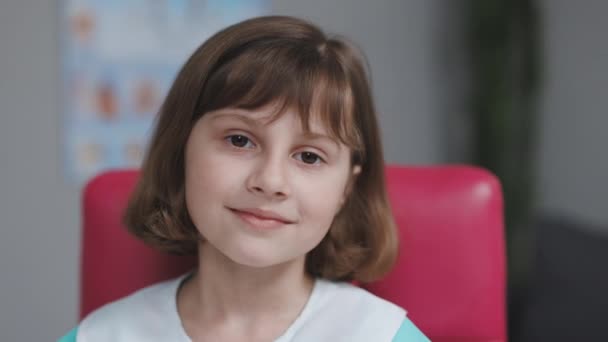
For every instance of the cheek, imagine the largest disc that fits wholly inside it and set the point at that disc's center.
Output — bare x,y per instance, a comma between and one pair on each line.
208,173
210,182
320,201
208,168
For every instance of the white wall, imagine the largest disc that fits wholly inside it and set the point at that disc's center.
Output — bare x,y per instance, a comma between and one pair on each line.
39,246
573,158
39,227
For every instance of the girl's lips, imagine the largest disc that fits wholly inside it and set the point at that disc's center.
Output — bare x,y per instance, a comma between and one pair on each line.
258,222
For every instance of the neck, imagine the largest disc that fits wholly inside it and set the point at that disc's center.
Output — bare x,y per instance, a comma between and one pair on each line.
222,290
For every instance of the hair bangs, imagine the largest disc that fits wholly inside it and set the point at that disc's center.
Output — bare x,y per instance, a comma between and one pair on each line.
332,104
287,75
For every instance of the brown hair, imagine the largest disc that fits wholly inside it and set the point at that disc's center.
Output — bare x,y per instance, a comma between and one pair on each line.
290,62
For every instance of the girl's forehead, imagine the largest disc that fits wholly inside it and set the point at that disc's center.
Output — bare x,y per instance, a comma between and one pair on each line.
311,124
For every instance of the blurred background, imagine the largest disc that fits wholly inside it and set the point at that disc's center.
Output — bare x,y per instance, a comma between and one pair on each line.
519,87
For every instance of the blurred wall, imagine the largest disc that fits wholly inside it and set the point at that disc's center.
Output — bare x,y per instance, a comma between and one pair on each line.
573,154
39,227
39,248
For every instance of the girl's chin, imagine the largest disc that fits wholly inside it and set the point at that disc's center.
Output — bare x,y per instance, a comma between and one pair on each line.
248,253
258,259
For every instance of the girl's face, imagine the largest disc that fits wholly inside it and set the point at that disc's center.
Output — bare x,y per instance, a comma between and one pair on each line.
260,192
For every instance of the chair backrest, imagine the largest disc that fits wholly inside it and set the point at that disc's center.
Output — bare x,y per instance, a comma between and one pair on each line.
450,274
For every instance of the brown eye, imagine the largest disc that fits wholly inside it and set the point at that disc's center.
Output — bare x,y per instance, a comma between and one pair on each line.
238,140
309,157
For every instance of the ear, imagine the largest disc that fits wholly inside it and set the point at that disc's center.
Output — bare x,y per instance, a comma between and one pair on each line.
356,170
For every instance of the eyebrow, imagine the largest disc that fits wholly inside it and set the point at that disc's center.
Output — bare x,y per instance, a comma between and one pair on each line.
235,115
243,116
319,136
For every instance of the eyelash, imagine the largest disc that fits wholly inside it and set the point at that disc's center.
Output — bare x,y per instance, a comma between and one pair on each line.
230,137
229,140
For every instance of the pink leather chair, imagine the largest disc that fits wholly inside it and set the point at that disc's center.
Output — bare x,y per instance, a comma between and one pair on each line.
450,274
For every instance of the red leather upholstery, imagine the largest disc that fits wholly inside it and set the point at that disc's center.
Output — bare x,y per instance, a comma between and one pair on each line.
114,263
450,274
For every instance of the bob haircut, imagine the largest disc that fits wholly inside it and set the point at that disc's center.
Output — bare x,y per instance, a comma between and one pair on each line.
291,63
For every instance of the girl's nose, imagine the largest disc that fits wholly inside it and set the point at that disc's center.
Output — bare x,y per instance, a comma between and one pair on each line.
269,179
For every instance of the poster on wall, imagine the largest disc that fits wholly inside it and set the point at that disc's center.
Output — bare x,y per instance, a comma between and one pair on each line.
119,58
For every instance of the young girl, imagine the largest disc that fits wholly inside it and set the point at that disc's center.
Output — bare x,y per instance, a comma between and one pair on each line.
266,162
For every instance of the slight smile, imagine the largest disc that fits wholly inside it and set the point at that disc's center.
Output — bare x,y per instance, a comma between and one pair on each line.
261,219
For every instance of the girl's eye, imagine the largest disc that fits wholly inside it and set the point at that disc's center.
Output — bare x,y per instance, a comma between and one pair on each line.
309,157
240,141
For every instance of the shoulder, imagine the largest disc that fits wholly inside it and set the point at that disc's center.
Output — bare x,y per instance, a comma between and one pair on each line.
368,317
343,312
145,312
409,332
69,337
349,296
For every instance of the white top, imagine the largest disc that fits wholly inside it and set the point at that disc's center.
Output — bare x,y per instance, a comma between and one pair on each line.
334,312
